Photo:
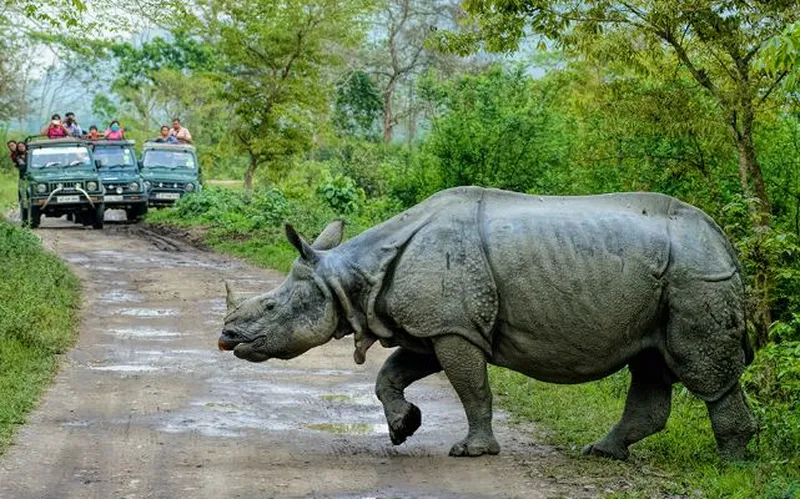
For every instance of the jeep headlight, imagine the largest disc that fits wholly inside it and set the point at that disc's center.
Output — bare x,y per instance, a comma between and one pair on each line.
92,186
189,187
134,186
41,188
119,190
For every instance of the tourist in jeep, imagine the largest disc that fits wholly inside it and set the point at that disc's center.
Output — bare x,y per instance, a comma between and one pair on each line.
21,157
181,133
72,126
166,137
114,131
55,129
12,150
94,134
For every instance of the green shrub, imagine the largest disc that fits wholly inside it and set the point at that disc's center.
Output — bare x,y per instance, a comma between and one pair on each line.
341,193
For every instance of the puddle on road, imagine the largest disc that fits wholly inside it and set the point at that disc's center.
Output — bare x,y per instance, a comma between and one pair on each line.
148,312
121,296
145,333
237,405
336,397
348,428
124,368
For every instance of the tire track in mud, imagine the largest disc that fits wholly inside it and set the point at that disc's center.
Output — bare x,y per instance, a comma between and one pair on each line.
146,407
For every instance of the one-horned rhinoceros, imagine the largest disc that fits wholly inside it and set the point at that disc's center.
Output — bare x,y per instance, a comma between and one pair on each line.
561,289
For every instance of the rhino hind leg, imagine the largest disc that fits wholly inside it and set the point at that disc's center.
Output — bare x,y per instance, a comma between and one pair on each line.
733,424
647,407
401,369
705,349
465,367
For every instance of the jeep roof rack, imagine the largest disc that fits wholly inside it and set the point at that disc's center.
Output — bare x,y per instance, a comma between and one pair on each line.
43,140
152,144
106,142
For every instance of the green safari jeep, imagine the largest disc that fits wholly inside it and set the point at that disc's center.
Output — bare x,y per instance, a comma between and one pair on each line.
119,172
60,178
170,171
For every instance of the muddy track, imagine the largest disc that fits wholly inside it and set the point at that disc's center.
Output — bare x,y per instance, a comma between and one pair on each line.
146,407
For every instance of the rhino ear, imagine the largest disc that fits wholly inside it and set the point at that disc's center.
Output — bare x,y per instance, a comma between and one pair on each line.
306,251
331,237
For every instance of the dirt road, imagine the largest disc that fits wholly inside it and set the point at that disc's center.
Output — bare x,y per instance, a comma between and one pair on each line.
146,407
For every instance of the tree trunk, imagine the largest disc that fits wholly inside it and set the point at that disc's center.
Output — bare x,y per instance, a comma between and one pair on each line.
248,175
387,115
750,169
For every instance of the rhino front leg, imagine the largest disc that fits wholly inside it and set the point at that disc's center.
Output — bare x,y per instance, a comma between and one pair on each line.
401,369
465,367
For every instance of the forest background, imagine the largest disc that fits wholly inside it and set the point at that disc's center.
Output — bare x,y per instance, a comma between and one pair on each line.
315,109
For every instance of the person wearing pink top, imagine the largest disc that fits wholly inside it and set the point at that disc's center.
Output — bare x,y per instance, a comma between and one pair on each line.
114,131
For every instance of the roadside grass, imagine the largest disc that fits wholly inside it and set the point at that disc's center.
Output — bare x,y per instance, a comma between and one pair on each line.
39,303
681,461
685,452
8,189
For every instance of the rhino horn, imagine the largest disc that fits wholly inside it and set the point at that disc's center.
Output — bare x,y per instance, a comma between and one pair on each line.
330,237
230,298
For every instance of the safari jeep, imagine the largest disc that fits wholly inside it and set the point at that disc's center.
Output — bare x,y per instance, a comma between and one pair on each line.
119,171
60,178
170,171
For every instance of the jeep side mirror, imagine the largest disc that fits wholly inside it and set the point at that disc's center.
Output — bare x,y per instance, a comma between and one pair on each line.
98,164
140,164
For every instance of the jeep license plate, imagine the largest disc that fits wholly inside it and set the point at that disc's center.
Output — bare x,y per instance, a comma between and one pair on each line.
168,195
113,199
67,199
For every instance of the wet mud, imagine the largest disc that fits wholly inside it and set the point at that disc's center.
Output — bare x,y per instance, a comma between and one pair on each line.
145,406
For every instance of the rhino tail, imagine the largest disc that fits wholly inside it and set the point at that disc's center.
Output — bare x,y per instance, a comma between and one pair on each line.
749,355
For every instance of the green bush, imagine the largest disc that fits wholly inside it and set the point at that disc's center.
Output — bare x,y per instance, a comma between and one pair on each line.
341,193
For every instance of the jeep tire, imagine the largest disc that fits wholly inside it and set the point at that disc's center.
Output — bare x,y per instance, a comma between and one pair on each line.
35,216
98,218
135,213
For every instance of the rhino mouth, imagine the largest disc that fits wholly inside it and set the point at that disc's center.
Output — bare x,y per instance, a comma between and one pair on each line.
247,350
226,344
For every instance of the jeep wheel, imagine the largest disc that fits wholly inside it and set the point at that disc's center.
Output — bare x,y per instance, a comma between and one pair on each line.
99,217
35,217
135,214
70,217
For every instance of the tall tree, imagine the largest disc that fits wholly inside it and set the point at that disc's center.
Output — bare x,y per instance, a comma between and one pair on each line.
276,68
399,53
717,42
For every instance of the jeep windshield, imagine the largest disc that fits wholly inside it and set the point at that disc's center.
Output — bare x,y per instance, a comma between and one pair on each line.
157,158
114,157
59,157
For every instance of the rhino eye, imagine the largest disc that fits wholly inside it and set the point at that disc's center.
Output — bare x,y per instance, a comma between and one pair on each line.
270,305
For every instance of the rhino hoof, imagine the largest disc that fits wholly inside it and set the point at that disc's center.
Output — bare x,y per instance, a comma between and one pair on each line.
476,446
404,423
602,450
